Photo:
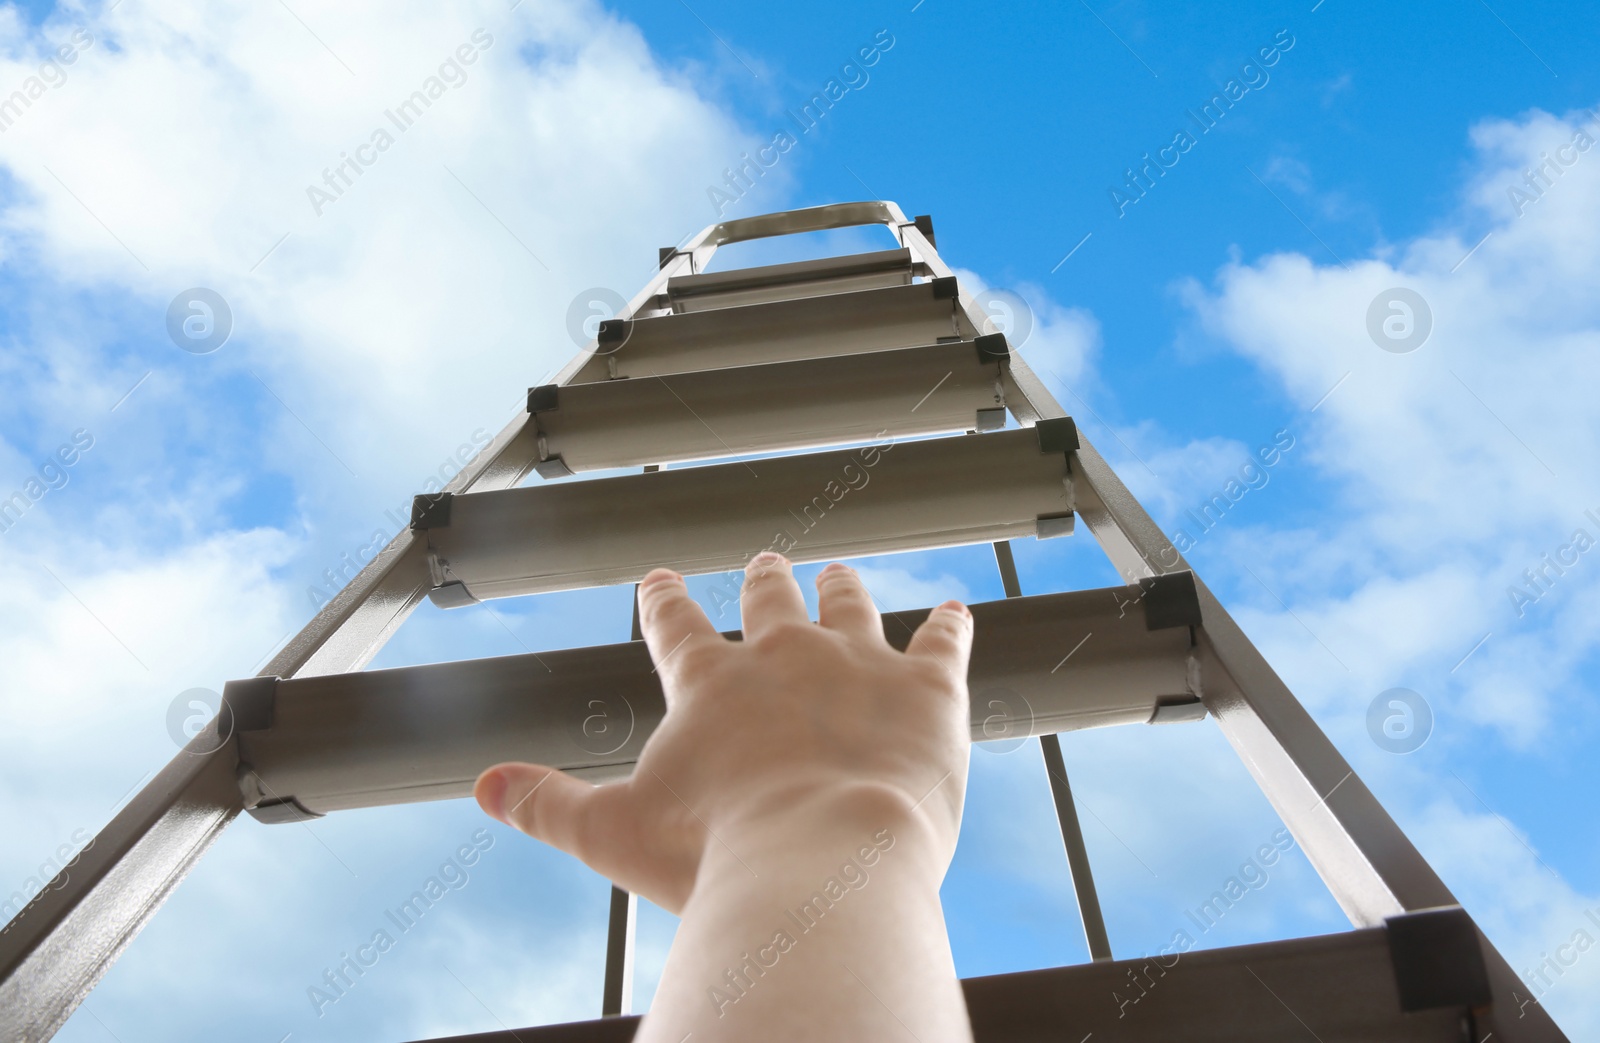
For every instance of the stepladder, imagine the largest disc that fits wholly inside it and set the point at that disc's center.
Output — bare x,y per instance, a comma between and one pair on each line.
865,371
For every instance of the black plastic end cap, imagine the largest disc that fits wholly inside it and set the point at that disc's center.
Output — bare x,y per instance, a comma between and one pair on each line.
1057,435
992,347
1170,600
990,420
431,511
553,467
924,223
1050,526
946,288
452,595
613,331
665,254
249,704
1177,709
1438,960
282,811
544,398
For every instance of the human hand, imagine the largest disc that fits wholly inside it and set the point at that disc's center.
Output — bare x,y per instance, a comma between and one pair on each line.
805,726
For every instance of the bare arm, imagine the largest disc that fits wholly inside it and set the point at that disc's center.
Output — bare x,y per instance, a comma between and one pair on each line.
797,807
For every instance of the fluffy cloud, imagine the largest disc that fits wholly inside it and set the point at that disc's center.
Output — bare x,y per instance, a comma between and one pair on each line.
1446,472
178,150
1059,342
412,309
548,151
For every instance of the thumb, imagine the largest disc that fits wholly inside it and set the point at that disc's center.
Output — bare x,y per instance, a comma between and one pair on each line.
601,826
547,804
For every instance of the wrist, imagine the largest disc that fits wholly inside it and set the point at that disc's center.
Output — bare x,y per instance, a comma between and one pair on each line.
839,830
792,902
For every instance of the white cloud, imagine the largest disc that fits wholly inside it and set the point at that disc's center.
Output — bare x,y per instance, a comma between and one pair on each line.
378,335
1059,342
413,311
96,654
1443,473
899,589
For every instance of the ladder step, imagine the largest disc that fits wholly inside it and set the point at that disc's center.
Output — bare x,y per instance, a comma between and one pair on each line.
781,331
780,405
1043,664
778,282
843,503
1342,986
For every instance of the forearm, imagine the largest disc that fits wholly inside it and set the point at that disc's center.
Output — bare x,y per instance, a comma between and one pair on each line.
824,926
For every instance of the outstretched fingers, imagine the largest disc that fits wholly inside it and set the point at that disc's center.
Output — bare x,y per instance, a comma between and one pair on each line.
770,598
946,638
670,619
845,605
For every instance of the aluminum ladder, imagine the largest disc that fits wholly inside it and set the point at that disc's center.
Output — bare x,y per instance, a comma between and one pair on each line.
856,359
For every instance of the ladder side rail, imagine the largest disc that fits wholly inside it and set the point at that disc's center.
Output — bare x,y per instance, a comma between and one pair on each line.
1366,861
58,947
361,618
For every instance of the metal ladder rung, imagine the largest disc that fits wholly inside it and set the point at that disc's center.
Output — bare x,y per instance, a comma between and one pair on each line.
937,492
320,744
803,328
798,404
1360,985
777,282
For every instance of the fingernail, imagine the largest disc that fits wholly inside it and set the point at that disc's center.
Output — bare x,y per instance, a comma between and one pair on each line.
658,576
836,566
957,607
767,559
491,794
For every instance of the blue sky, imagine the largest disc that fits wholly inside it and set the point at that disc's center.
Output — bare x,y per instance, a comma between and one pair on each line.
1379,150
